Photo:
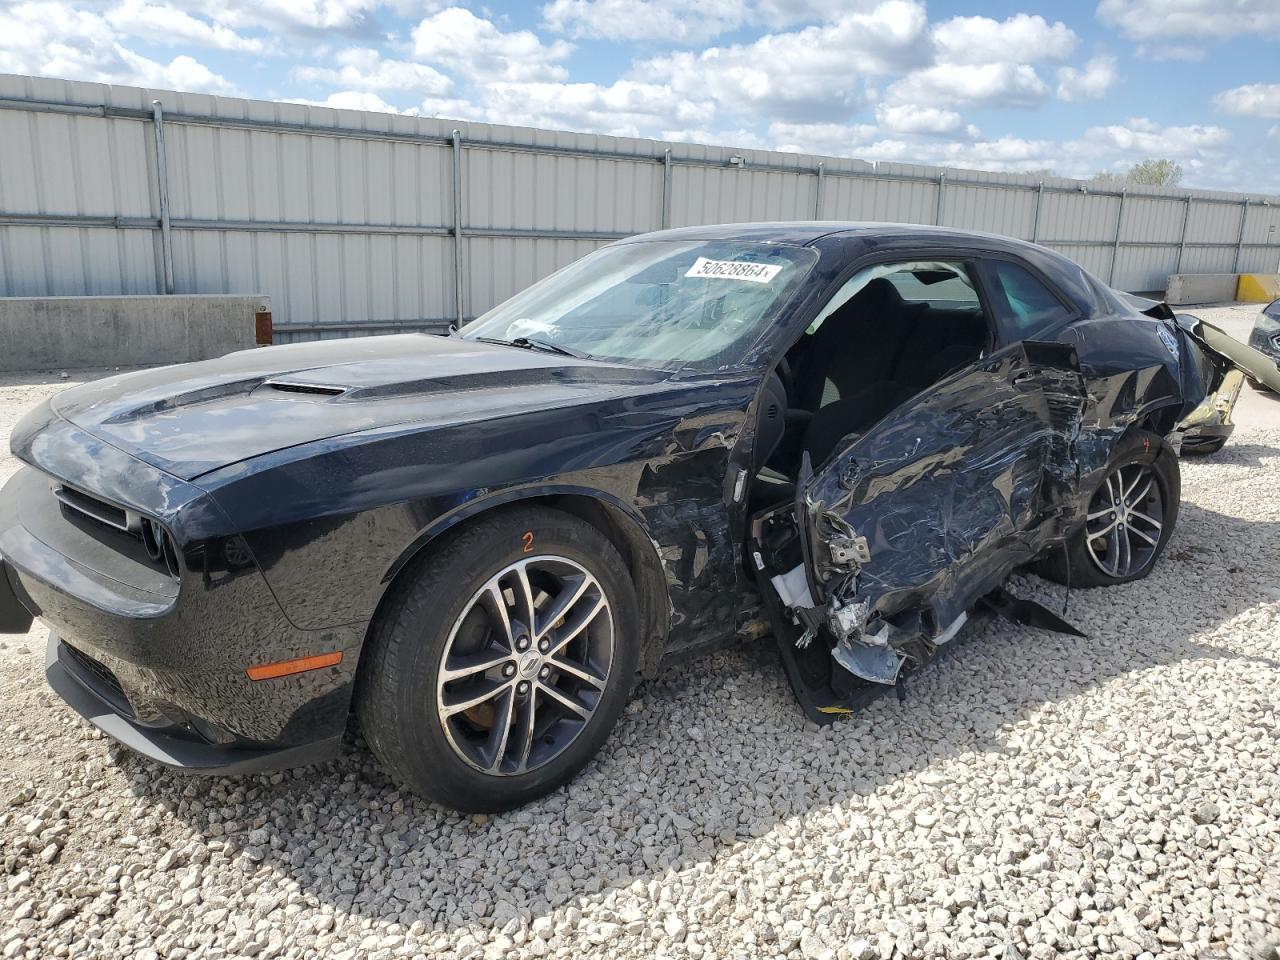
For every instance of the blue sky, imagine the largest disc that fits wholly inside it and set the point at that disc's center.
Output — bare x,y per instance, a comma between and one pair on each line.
1072,87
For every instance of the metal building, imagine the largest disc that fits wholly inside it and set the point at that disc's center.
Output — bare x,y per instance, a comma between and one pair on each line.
354,221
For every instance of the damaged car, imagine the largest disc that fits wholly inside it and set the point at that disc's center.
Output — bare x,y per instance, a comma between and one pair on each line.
845,435
1265,337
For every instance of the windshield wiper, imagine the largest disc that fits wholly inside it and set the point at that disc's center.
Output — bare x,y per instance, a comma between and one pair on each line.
528,343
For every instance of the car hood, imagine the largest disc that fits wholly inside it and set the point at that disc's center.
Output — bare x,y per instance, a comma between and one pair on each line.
193,418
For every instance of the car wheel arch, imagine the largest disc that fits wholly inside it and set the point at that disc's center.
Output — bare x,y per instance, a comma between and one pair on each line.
1160,418
620,525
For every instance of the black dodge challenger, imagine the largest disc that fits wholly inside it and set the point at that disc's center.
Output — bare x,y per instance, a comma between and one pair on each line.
847,435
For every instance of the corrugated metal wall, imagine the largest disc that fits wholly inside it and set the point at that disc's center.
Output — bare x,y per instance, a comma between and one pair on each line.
354,221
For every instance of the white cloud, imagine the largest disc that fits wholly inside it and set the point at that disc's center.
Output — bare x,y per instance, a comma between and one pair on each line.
683,22
675,22
1106,147
814,73
985,85
1142,136
1019,39
290,15
1184,52
364,69
1151,19
835,139
354,100
1091,83
58,40
167,25
908,118
1251,100
475,48
625,108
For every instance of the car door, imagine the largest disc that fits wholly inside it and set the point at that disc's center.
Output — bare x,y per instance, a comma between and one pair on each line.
907,526
936,504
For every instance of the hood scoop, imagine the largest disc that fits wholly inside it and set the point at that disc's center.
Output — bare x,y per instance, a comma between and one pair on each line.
309,389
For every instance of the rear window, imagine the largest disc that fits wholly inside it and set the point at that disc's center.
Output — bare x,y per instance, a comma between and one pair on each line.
1025,304
927,287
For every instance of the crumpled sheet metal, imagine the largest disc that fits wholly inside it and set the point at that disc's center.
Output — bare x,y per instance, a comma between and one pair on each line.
955,492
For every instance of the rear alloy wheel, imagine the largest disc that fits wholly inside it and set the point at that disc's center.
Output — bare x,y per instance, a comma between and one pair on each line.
1126,522
1130,516
501,660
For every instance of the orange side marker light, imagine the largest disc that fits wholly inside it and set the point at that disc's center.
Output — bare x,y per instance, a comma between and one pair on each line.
286,668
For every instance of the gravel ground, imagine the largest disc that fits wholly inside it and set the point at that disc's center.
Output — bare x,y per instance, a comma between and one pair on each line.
1035,795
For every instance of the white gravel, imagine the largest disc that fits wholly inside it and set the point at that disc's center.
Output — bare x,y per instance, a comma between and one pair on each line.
1036,795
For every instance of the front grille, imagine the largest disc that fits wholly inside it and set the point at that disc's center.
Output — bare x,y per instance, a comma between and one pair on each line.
98,678
94,508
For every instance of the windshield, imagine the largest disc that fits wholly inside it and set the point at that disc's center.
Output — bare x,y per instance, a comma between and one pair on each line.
672,304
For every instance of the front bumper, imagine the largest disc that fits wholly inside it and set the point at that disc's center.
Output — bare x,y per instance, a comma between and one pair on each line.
176,644
1265,338
14,616
1209,425
92,691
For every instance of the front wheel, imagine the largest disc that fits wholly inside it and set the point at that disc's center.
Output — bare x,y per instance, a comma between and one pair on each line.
502,661
1131,514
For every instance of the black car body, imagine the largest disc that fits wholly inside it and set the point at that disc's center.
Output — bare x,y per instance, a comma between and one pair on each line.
177,527
1265,335
1208,427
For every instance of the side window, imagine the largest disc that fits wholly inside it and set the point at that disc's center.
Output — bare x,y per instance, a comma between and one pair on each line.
1024,304
937,288
932,283
892,330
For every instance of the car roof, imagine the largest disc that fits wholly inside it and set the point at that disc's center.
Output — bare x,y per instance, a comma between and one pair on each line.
808,232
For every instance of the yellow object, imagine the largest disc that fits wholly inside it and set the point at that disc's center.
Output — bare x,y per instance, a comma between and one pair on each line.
1258,287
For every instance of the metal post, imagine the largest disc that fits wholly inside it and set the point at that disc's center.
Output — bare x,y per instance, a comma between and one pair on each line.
1115,245
459,314
162,186
1182,240
1244,215
942,192
817,193
666,189
1035,220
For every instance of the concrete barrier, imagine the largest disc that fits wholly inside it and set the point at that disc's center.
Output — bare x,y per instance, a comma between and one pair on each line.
1201,288
65,333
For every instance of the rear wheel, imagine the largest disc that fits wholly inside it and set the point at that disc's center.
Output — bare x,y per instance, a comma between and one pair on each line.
1130,516
502,661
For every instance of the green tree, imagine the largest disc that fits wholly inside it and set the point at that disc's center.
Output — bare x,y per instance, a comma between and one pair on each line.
1152,173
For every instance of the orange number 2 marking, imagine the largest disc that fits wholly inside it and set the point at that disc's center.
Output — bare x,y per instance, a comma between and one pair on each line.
527,537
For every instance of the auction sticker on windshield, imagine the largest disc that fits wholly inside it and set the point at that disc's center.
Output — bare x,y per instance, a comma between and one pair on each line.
704,269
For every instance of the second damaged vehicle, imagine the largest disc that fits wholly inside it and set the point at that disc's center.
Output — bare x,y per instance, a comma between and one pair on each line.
851,434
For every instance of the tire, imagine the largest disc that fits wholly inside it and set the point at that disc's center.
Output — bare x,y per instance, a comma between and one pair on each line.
1203,449
460,608
1138,456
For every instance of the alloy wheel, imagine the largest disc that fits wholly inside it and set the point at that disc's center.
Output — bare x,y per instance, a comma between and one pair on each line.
525,665
1126,519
